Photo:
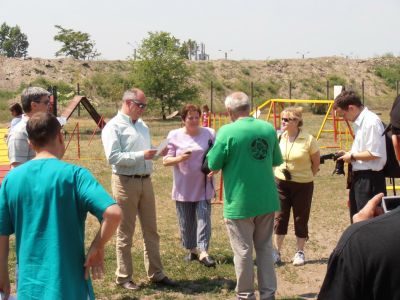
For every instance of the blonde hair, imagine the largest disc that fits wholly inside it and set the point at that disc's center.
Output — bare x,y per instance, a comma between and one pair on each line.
294,112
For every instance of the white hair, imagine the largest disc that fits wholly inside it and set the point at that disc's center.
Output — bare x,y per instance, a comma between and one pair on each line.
237,101
129,95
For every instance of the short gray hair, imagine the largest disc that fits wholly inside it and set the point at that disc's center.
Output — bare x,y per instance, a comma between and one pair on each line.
32,94
237,102
130,94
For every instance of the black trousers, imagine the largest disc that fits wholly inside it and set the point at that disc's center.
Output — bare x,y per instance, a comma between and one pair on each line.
364,185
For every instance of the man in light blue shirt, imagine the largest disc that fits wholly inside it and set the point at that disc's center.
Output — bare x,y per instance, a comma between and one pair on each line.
127,145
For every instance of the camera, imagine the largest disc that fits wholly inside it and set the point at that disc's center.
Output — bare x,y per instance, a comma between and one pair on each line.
339,166
287,174
390,202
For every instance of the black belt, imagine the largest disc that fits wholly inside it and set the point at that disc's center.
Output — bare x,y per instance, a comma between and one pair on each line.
361,172
136,176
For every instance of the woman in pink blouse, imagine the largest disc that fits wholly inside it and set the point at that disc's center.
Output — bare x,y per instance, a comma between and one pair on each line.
192,190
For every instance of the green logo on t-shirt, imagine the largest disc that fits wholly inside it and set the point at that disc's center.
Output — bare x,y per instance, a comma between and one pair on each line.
259,148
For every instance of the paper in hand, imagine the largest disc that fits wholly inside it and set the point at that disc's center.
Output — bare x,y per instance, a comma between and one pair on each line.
160,148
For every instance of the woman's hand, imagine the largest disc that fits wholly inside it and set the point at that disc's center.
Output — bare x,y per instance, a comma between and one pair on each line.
185,156
212,173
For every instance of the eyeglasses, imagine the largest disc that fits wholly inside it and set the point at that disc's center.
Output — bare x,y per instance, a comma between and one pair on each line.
287,120
192,118
139,104
45,102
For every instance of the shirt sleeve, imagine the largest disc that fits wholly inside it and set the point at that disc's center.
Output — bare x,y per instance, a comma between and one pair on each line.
313,145
113,149
18,147
343,276
6,225
276,155
94,197
171,146
374,141
218,153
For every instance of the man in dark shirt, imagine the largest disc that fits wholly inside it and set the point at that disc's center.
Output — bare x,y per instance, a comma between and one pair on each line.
364,264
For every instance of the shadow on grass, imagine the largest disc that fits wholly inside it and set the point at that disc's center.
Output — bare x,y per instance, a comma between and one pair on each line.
308,262
190,287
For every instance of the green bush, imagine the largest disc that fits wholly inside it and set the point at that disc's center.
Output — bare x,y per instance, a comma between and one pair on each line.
390,73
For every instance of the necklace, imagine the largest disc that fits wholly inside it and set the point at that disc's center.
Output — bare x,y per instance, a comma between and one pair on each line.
290,150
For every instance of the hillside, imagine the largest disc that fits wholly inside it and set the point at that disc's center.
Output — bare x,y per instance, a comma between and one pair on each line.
103,80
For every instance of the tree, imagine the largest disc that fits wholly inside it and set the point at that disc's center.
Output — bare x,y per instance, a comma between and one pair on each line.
13,43
76,44
162,73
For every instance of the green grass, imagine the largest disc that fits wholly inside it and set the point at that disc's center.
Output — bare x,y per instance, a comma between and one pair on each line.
329,217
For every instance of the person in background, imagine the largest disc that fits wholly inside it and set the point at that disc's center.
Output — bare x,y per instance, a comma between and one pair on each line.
192,190
294,179
127,146
365,263
245,151
206,117
368,152
16,112
45,202
33,100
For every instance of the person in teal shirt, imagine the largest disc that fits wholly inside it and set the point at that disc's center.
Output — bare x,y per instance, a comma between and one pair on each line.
44,202
245,151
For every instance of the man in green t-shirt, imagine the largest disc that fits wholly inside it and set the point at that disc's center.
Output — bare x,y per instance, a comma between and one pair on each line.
245,151
44,202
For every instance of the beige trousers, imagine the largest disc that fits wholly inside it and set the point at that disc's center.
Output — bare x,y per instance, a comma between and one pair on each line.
244,234
135,196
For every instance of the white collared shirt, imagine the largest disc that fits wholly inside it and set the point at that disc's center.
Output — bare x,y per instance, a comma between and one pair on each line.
124,144
368,129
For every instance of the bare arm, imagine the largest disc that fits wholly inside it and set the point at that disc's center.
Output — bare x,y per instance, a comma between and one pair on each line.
4,277
315,161
95,256
172,161
364,155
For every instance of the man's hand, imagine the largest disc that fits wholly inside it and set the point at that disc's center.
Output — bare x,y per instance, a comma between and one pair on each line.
212,173
5,286
149,154
95,262
370,210
346,157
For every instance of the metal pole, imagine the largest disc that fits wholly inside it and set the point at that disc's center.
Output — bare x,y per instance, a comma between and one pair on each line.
78,91
226,55
327,90
290,89
362,89
397,87
251,94
55,98
211,94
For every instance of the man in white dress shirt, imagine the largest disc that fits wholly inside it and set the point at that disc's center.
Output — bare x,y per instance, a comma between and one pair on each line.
368,152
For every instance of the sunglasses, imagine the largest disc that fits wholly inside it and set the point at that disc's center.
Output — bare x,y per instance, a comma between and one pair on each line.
139,104
287,120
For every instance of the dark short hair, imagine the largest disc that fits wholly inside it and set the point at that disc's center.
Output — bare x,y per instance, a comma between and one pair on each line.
42,128
32,94
189,107
17,108
346,98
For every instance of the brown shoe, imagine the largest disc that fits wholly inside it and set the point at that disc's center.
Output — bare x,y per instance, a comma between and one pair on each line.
166,282
129,285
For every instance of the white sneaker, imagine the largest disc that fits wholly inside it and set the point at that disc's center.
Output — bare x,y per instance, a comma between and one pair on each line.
276,256
299,258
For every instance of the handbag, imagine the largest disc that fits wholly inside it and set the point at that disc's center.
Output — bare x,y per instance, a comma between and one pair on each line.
204,166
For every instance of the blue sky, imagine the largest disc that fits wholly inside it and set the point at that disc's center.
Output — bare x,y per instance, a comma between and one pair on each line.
251,29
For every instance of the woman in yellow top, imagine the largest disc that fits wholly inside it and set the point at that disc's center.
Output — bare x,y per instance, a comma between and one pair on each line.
294,179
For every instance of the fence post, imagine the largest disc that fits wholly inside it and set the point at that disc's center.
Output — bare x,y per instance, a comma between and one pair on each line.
211,96
362,89
55,100
251,94
327,90
78,91
290,89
